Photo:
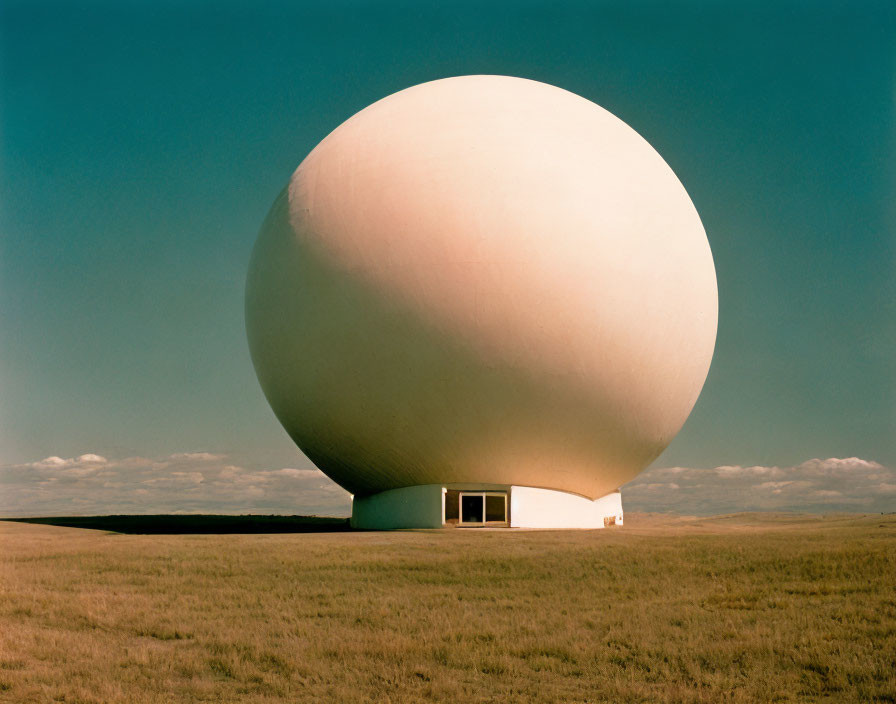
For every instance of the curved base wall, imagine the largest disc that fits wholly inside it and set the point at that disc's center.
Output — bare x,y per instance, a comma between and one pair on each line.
464,506
409,507
545,508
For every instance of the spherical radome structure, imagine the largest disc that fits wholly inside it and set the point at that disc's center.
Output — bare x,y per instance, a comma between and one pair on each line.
482,281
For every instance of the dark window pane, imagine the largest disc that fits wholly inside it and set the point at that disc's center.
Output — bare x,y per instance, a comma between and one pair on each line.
471,509
452,502
494,508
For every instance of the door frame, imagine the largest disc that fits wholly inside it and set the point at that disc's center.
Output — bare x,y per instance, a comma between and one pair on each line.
484,521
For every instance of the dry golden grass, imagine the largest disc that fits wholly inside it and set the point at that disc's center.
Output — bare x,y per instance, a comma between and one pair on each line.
739,609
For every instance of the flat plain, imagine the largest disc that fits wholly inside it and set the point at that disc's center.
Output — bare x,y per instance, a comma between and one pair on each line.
743,608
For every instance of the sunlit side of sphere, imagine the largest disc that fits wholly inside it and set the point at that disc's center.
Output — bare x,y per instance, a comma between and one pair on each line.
482,279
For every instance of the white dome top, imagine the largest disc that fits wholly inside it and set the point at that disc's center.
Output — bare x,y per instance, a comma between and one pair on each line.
482,279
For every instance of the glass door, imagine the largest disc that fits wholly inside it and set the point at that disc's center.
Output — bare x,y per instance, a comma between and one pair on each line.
479,508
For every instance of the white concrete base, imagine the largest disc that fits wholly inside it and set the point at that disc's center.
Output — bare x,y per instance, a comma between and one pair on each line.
423,507
545,508
409,507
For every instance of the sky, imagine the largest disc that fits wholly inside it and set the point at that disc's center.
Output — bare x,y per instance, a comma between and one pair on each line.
142,143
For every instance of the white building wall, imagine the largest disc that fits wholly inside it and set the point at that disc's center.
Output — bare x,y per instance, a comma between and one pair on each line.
545,508
409,507
422,507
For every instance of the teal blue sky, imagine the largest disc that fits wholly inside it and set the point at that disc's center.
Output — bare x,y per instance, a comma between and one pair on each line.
143,143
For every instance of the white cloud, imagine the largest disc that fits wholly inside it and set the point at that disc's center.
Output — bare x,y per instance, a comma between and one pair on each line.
195,457
192,482
655,486
128,462
189,477
298,473
203,482
755,471
773,485
50,463
56,462
822,485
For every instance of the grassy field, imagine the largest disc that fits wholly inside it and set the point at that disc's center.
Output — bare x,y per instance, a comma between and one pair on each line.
747,608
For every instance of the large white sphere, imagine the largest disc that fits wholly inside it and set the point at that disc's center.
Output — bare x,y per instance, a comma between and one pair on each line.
482,279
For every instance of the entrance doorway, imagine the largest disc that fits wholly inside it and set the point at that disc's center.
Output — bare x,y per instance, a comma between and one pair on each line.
481,508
